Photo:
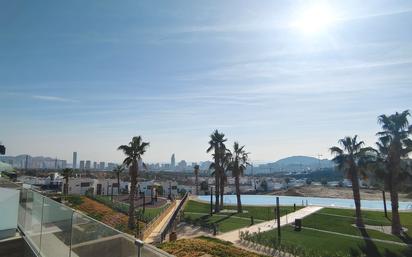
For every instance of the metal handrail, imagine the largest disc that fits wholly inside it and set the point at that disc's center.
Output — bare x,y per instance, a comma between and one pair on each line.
172,219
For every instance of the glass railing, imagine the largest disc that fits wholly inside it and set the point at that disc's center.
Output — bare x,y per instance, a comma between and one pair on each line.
55,230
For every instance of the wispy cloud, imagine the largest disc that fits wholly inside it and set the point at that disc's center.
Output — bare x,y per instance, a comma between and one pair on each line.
52,98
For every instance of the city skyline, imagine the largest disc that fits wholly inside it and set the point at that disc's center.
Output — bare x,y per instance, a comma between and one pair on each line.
87,77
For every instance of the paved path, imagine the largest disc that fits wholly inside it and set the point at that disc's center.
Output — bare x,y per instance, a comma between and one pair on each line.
155,235
222,215
233,236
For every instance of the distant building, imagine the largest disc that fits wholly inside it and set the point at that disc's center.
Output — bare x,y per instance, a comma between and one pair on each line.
102,165
95,165
173,161
74,164
182,165
81,166
88,165
79,186
111,166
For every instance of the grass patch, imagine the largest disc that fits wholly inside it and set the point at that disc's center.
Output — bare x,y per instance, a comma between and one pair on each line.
316,243
74,200
224,223
204,246
197,213
341,220
258,212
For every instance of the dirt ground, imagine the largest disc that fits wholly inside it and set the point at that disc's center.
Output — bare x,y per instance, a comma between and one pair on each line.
336,192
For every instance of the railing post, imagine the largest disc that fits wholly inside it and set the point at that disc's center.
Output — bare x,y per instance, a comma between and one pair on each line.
139,245
41,222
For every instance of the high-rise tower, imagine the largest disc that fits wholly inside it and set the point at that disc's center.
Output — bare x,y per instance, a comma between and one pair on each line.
173,162
74,166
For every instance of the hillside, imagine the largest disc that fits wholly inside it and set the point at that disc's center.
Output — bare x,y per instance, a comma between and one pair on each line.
297,163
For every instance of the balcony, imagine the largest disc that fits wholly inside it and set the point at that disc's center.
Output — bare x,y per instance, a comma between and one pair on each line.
51,229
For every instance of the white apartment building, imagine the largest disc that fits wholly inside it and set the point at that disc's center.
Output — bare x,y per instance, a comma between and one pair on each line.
79,186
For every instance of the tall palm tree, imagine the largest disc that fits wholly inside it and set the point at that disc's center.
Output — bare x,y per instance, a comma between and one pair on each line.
351,159
66,173
217,144
396,145
225,163
133,151
196,171
118,169
238,164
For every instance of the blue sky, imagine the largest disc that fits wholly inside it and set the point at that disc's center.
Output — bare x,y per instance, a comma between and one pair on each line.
86,76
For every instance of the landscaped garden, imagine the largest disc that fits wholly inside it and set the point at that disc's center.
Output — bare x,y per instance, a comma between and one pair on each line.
100,212
148,215
330,232
198,213
204,246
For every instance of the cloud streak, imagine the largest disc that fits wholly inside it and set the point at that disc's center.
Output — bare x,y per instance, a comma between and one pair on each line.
52,98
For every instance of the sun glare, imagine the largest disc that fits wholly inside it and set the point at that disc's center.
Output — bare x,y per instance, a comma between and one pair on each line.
315,19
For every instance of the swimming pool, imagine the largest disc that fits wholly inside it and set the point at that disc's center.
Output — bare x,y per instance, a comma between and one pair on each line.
267,200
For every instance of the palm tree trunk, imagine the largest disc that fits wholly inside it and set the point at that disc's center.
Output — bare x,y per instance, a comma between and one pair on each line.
133,180
239,203
393,189
356,198
197,183
217,184
222,189
66,186
118,184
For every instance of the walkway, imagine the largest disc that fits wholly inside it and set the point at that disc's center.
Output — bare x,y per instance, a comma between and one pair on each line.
155,235
222,215
233,236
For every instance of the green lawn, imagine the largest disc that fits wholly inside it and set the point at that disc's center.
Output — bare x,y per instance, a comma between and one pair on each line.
340,220
319,244
198,213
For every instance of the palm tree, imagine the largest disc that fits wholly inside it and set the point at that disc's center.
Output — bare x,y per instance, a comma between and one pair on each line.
351,160
66,173
395,146
196,171
225,164
217,144
238,164
118,169
133,151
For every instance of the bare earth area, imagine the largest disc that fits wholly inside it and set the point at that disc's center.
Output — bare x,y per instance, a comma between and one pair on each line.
336,192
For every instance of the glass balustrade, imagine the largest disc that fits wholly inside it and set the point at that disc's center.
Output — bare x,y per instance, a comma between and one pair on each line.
55,230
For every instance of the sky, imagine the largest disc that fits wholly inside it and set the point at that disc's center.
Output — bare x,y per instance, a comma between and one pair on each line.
281,77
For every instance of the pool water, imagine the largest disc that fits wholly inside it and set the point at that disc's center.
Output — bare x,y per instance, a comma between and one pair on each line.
268,200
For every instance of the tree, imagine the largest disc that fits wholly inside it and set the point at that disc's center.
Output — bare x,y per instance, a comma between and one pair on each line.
66,173
196,171
133,151
118,169
264,185
238,164
225,162
394,146
351,160
217,144
204,186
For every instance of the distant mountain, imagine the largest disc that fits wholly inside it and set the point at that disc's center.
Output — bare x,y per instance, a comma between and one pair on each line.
297,163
